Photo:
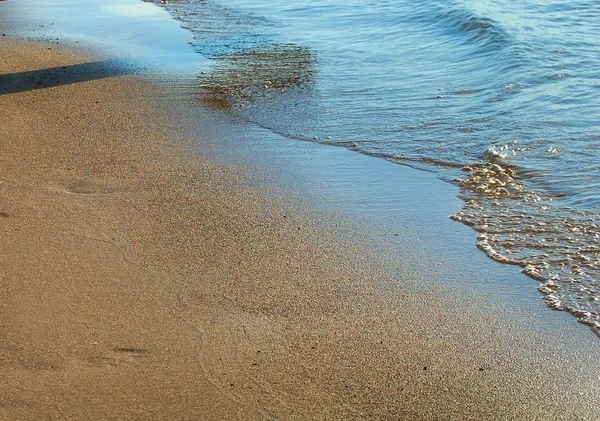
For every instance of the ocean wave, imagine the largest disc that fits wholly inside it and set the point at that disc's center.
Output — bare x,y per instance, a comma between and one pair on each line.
558,246
464,24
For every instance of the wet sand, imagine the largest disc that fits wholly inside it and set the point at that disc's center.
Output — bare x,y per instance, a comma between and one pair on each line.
141,280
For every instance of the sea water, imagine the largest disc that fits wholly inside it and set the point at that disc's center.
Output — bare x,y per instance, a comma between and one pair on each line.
501,98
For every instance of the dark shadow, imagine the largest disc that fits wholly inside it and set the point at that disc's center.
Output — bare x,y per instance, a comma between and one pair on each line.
45,78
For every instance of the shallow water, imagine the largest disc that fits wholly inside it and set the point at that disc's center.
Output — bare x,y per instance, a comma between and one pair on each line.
501,99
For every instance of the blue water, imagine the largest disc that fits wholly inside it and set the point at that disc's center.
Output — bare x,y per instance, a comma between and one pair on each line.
499,97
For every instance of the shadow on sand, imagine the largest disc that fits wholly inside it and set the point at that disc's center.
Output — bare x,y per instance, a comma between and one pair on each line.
11,83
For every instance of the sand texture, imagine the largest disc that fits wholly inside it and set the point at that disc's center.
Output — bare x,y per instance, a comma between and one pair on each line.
140,281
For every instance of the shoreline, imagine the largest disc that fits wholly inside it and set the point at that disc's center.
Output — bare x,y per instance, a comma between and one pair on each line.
145,281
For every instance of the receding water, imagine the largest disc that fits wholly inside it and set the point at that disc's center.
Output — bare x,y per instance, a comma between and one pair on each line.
501,98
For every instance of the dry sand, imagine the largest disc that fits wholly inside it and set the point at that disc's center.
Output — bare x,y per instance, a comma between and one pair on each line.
140,281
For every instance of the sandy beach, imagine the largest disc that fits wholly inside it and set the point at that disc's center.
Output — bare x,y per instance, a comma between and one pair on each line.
142,281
